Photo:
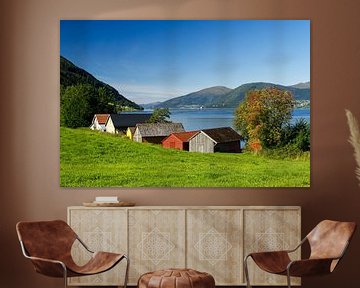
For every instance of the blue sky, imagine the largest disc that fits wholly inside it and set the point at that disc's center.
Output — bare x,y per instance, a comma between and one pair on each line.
154,60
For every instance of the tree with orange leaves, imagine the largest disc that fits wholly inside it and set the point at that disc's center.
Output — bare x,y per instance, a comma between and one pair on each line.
262,115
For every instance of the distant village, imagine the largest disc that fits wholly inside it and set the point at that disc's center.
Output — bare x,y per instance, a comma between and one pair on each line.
169,135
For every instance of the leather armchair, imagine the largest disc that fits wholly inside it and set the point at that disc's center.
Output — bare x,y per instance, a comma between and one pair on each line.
328,243
48,245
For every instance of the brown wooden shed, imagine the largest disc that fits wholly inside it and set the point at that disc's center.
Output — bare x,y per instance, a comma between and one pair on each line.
178,141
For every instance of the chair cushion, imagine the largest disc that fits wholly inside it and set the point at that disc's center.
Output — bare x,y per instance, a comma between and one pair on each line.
99,262
176,278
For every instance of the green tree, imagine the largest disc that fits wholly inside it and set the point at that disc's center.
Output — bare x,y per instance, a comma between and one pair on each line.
262,115
77,105
160,115
80,102
105,102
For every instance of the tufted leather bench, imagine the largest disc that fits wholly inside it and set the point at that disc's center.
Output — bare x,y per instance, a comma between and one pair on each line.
176,278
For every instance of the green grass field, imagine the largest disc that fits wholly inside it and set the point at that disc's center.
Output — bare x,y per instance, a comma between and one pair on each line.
94,159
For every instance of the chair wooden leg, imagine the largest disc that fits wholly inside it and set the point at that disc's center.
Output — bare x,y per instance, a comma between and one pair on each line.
246,270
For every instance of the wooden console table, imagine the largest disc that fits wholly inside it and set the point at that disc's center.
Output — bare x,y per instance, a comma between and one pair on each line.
210,239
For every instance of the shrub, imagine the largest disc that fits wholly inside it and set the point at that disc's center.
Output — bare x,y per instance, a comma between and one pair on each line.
290,151
297,134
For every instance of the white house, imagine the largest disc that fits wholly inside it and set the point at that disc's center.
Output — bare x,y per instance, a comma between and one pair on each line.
99,121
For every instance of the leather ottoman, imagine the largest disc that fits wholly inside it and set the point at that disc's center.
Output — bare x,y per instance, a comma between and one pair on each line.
176,278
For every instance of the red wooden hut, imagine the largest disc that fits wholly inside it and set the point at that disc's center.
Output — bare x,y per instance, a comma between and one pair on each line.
178,140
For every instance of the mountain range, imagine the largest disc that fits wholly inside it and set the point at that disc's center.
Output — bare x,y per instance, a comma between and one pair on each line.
212,97
223,97
302,85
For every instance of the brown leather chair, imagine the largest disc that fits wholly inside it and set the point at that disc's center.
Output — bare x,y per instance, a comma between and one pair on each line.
328,242
48,245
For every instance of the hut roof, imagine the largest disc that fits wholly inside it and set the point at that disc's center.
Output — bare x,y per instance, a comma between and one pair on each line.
221,135
185,136
129,119
132,129
101,118
159,129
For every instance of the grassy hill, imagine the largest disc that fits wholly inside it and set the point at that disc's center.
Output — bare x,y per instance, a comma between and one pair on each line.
94,159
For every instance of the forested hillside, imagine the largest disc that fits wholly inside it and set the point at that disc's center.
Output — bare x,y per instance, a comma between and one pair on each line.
82,96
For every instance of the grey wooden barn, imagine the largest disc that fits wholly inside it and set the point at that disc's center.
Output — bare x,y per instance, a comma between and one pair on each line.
213,140
155,132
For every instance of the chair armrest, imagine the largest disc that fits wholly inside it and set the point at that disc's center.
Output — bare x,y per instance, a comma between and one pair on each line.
268,253
298,246
309,267
280,251
84,245
48,267
45,260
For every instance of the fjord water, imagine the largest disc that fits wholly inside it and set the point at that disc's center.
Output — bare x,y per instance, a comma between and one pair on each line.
196,119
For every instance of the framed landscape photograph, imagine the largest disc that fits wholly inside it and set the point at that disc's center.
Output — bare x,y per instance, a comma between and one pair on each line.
184,103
